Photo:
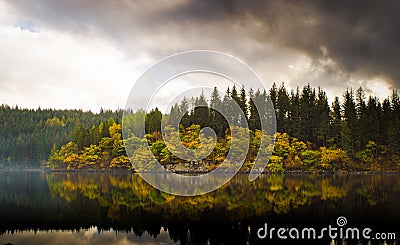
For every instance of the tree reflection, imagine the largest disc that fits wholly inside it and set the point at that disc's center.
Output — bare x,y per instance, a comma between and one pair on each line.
123,201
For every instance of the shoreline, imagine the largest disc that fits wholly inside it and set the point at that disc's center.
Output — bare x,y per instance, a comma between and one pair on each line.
122,170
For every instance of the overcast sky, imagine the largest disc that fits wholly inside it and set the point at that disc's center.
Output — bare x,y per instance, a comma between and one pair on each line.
88,54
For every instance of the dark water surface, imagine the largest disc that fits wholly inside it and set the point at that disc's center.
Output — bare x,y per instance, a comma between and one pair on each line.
120,208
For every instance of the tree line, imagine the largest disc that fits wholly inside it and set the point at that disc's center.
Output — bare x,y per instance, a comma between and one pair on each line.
28,135
354,133
353,123
361,130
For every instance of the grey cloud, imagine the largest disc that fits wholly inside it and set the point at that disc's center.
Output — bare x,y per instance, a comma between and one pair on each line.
361,37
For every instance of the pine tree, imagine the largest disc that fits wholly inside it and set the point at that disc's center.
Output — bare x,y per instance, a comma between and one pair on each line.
235,99
336,123
387,135
361,110
308,114
228,110
282,109
324,118
373,120
349,129
273,95
184,108
294,114
243,106
153,121
254,117
200,114
174,116
217,121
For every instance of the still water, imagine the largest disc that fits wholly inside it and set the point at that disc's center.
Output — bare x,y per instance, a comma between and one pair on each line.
38,207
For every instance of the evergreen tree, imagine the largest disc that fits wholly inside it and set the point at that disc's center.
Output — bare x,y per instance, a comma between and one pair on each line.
273,95
322,111
217,121
254,117
373,129
174,115
200,114
308,114
294,114
243,106
228,110
336,123
184,108
349,129
361,110
282,109
153,121
235,99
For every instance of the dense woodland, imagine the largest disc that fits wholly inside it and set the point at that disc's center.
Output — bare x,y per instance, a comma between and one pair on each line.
27,136
352,133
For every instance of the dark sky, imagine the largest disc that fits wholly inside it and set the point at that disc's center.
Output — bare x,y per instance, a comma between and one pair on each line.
332,44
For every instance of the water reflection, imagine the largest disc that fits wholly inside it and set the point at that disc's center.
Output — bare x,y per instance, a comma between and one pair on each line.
86,236
78,202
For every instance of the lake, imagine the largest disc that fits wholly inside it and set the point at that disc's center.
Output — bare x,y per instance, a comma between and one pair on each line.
40,207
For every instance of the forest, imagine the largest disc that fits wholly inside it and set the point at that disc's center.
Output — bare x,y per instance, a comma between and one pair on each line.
354,132
27,135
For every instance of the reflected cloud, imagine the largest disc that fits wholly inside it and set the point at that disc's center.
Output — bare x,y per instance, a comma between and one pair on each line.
84,237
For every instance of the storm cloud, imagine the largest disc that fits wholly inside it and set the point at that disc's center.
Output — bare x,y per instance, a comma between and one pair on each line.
362,37
333,44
